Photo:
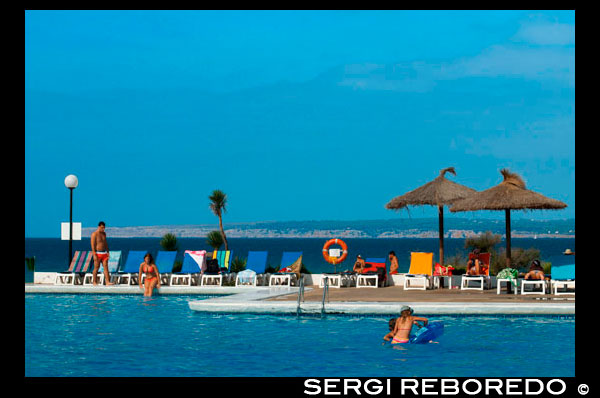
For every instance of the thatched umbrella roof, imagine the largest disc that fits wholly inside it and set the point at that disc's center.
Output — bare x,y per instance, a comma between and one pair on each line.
510,194
439,192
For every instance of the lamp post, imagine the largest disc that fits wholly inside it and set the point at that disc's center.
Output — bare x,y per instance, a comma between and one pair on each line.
71,182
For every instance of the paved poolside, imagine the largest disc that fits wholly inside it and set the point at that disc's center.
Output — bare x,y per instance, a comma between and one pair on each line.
387,300
398,294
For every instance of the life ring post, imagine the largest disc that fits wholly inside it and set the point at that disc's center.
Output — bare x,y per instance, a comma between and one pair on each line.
331,259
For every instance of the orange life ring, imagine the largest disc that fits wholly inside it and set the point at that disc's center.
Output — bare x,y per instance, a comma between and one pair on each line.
335,260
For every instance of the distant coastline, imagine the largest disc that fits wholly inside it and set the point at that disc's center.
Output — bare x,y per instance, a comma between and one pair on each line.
400,228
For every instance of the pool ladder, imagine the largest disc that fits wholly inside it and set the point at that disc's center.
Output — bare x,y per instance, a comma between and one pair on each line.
301,295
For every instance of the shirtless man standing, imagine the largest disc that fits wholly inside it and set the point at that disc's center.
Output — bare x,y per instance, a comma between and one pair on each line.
100,253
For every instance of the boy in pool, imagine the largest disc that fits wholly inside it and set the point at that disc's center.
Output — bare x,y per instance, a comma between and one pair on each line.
391,325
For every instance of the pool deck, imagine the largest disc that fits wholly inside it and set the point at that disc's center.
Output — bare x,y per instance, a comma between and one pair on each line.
383,301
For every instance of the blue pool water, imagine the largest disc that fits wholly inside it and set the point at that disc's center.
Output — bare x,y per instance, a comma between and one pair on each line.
96,335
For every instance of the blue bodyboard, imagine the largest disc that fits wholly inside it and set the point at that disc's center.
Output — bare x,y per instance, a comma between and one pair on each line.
432,331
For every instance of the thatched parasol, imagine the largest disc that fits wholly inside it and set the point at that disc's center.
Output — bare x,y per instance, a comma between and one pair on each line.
438,192
510,194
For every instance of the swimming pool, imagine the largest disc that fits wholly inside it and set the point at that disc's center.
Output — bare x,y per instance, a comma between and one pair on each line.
128,335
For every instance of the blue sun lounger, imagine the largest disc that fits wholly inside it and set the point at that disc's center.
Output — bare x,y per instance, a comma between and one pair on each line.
289,260
563,276
164,262
130,272
255,268
193,262
224,258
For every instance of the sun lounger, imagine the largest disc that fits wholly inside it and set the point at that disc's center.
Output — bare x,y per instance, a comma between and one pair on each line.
131,270
374,270
420,271
164,262
224,260
77,269
534,283
483,279
291,264
563,276
509,276
114,262
255,268
193,263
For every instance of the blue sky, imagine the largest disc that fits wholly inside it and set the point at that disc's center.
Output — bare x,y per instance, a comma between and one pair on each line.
296,115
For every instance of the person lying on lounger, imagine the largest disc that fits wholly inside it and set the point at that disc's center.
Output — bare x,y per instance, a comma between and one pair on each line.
535,271
404,325
152,276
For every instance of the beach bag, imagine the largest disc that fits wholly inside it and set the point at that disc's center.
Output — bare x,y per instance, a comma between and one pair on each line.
381,275
212,266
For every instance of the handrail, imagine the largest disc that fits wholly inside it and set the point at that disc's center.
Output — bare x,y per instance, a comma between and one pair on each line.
300,294
325,294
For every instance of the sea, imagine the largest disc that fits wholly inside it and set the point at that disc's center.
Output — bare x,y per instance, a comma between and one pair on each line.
52,254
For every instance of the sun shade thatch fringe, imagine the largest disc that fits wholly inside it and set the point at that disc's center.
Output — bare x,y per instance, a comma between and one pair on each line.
438,192
509,194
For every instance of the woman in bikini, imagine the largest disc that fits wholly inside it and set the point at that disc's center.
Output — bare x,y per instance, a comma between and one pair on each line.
152,276
535,270
404,324
474,265
393,263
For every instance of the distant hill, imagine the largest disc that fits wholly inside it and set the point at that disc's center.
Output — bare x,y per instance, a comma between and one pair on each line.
392,228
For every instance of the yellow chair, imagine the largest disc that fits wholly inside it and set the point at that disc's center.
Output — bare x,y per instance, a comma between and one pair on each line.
421,270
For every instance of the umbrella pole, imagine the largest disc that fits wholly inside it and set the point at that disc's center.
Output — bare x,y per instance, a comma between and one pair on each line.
508,253
441,224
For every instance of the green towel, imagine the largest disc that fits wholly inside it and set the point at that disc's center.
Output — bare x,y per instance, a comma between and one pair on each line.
510,274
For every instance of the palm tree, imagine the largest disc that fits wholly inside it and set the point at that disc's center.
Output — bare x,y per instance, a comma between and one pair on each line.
214,239
218,201
169,242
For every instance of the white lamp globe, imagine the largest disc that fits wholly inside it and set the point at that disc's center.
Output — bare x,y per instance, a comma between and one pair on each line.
71,181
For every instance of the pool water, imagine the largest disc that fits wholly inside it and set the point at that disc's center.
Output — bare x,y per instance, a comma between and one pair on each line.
97,335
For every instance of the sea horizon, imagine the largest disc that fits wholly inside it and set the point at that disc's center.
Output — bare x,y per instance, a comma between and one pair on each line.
425,227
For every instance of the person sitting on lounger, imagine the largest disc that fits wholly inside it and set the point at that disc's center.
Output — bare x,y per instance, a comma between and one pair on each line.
474,266
404,325
152,276
535,271
393,263
359,265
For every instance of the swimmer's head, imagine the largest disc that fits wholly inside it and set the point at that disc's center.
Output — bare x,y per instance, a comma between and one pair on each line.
406,310
392,323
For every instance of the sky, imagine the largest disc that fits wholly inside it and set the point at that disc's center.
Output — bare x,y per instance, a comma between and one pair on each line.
295,115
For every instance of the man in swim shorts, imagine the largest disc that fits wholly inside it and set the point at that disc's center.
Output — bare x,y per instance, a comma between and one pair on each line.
100,253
